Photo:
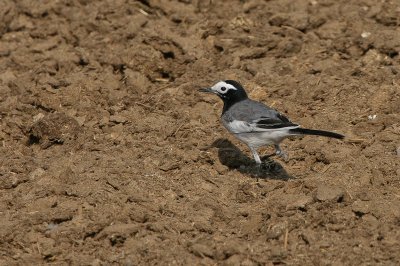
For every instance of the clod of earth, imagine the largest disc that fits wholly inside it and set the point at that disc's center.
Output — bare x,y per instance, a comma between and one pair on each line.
55,128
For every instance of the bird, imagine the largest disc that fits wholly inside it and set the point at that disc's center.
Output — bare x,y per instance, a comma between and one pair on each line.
255,123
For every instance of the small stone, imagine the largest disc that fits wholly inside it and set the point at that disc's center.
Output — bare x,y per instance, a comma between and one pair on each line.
248,262
38,117
207,186
56,128
233,260
124,230
360,207
96,262
250,5
329,193
365,34
80,120
245,193
117,131
36,173
202,250
301,202
325,243
276,231
169,165
278,254
155,227
118,119
372,57
371,220
45,45
221,169
7,77
229,249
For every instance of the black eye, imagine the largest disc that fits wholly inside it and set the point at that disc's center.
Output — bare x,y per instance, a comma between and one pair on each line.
223,89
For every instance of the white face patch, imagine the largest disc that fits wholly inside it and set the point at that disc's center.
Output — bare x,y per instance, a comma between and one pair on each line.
222,87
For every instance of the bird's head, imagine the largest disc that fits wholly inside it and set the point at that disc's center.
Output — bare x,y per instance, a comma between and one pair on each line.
229,91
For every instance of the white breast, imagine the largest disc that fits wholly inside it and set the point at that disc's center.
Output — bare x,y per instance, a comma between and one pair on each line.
259,139
237,126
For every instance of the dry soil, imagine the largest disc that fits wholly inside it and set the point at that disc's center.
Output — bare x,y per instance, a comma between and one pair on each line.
110,155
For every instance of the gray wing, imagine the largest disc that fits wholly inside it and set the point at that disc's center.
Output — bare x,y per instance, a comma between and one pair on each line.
252,116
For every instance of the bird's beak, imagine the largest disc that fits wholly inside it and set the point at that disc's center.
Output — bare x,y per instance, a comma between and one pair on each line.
207,90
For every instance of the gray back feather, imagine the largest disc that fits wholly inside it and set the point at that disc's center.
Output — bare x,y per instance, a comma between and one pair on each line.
250,111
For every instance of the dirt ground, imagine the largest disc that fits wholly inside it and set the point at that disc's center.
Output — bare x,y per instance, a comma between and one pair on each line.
110,155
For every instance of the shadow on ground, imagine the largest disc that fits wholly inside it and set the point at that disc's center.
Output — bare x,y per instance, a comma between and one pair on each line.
234,158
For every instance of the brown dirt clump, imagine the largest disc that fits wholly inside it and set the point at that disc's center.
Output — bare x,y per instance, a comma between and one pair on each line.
109,155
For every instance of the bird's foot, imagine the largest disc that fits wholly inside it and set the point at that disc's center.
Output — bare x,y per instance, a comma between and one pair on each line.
256,169
264,169
282,154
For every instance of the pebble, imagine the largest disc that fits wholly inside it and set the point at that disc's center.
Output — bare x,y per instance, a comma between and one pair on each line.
301,202
329,193
201,250
371,220
278,254
365,34
276,231
118,230
38,117
118,119
36,173
7,76
233,260
360,207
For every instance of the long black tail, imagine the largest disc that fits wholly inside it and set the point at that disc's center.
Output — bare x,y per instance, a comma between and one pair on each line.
306,131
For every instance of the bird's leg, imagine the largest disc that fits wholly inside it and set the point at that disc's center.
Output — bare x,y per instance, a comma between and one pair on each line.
258,161
256,156
280,152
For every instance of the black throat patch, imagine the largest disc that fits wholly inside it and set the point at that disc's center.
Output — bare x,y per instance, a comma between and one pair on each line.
233,96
